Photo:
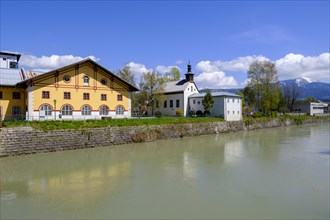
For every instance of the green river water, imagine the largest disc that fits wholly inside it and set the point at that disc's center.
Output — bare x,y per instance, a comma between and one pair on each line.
279,173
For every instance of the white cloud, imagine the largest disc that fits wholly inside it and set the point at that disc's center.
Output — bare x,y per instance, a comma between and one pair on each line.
297,65
178,62
137,69
240,64
47,63
163,69
215,79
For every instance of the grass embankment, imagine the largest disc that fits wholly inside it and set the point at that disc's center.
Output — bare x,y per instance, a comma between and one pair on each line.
53,125
297,118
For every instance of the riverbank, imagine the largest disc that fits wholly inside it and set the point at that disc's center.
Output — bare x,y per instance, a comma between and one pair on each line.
28,140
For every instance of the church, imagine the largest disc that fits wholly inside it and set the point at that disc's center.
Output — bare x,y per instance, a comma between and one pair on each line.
184,95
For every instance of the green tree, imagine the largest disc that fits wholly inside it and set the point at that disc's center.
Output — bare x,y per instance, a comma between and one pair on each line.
151,89
208,102
264,86
310,99
172,75
126,74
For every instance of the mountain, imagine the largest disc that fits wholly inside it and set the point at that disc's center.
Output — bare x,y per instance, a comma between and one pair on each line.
319,90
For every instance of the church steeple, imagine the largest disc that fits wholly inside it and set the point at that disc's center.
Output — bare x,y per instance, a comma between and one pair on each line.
189,75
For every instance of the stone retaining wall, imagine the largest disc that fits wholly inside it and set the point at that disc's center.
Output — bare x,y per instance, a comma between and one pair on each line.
26,140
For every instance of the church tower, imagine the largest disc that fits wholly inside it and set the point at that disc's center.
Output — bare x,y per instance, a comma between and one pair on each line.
189,75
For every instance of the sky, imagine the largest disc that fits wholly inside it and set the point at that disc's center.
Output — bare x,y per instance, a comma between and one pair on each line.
219,38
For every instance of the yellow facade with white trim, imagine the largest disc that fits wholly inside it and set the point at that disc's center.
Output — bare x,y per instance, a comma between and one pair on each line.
47,91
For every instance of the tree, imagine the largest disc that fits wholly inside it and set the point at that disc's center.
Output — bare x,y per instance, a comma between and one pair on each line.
126,74
263,81
310,99
172,75
291,94
208,102
151,89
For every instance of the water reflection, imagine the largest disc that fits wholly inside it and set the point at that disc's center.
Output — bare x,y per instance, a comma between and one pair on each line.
197,177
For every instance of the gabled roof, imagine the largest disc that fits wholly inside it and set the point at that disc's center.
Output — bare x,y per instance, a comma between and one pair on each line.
88,60
176,86
215,94
9,76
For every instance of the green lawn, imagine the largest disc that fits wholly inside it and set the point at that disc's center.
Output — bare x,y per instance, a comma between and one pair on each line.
53,125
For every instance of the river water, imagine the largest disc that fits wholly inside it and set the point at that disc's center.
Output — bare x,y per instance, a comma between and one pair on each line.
270,173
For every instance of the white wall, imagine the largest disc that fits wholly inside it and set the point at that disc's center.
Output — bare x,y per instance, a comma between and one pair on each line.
6,59
233,109
171,111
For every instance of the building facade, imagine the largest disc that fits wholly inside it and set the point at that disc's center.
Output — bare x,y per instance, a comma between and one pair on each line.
80,91
311,108
184,95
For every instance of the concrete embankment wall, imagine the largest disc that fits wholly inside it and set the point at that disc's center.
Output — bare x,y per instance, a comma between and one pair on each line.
26,140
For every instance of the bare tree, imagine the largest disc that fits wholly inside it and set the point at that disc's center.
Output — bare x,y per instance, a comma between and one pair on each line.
291,94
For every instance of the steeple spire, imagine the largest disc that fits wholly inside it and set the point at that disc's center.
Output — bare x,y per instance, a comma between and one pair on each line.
189,75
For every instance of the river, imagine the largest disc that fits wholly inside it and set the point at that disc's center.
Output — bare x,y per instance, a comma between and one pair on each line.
269,173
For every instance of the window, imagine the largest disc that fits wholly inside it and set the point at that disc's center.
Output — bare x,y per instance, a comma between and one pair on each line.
16,110
16,95
67,95
119,97
104,81
13,65
86,110
228,112
66,110
194,101
66,79
237,100
178,103
45,94
86,96
104,110
47,109
228,100
191,88
119,110
198,102
233,112
0,95
165,104
157,104
238,112
233,100
171,103
86,81
104,97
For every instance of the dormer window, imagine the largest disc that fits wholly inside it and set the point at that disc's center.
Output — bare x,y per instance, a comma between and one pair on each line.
86,81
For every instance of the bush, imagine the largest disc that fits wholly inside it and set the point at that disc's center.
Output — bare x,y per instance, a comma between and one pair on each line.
192,112
158,114
207,113
257,114
179,113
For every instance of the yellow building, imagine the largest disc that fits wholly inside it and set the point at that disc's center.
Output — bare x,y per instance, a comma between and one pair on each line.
83,90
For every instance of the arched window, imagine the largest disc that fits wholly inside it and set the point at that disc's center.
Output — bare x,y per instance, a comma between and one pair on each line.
66,110
119,110
86,110
47,109
86,81
104,110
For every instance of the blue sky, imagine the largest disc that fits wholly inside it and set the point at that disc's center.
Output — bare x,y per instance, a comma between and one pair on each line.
220,38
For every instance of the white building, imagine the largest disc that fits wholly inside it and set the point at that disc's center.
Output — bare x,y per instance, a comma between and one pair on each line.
227,105
176,94
311,108
9,60
184,95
